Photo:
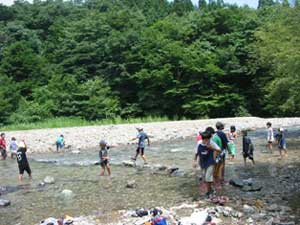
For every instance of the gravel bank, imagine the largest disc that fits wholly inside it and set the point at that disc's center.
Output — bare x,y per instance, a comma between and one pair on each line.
84,138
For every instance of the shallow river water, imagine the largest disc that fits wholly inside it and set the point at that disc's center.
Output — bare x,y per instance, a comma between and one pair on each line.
95,195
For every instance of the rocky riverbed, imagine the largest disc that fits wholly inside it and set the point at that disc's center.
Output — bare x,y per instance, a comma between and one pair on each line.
68,184
85,138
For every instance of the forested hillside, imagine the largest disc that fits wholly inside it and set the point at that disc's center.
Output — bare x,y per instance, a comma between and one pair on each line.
135,58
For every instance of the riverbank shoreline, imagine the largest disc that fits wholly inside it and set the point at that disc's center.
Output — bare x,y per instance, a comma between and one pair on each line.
88,137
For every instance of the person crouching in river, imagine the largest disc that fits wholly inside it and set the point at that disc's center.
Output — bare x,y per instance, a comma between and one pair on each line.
22,161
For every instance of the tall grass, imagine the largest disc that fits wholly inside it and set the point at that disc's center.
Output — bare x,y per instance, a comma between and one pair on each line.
76,122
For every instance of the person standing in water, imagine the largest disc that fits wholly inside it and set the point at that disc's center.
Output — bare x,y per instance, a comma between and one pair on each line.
221,140
22,161
281,142
3,146
104,158
248,148
232,136
13,147
270,137
60,142
141,137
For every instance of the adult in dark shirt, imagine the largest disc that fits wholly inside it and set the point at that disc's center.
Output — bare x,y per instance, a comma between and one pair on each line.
22,161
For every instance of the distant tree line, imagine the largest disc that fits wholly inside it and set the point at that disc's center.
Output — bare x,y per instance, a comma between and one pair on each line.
98,59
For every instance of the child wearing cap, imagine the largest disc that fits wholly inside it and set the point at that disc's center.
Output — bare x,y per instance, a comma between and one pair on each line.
104,159
281,142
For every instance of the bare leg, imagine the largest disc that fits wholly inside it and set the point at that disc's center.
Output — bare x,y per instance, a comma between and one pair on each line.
270,146
245,163
144,158
20,178
103,171
108,170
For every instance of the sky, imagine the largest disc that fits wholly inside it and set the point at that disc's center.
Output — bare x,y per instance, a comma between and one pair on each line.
251,3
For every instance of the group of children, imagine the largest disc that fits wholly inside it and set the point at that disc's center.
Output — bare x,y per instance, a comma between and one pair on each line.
17,150
211,151
212,147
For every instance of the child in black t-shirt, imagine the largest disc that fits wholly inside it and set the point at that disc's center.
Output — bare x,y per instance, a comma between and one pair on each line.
22,161
247,147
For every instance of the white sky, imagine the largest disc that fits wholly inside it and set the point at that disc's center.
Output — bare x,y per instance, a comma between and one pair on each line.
251,3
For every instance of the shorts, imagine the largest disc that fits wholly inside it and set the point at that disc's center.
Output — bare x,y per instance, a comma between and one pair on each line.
3,153
248,155
270,142
104,163
218,170
140,150
208,174
231,148
24,167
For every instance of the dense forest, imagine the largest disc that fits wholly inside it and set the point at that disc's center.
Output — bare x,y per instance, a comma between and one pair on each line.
98,59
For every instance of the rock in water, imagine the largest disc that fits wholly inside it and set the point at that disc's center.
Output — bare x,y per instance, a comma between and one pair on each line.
236,183
75,152
252,188
48,221
131,184
4,202
248,209
49,180
67,193
160,167
128,163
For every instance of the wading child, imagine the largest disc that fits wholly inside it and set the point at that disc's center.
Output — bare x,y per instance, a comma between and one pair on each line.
281,142
247,147
3,146
60,142
141,137
232,136
221,140
104,159
206,161
13,147
22,161
270,137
